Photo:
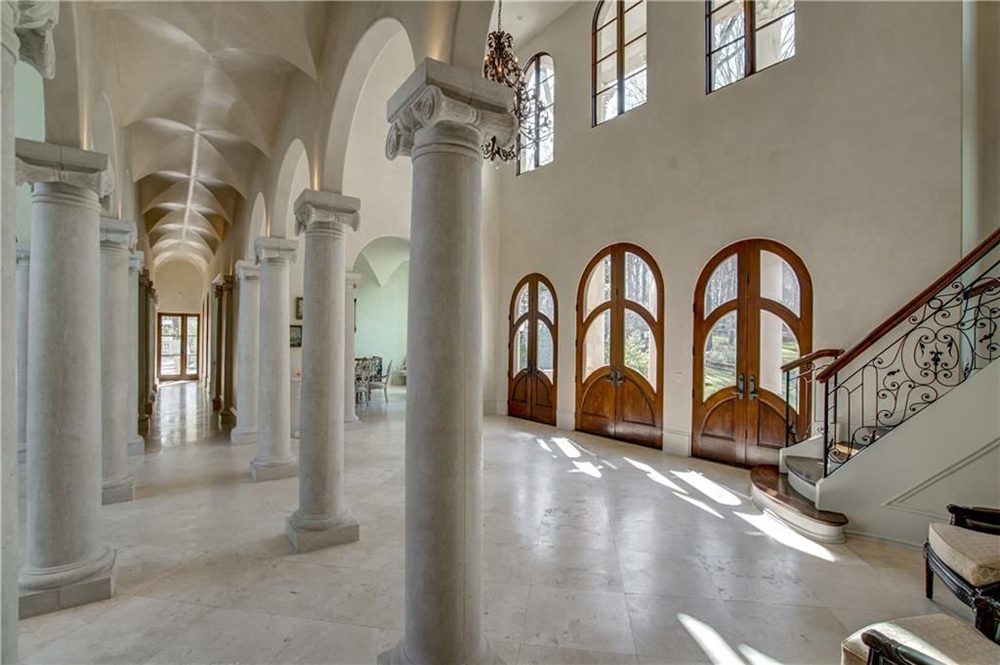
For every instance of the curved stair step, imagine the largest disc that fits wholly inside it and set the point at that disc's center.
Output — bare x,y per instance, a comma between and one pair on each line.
772,493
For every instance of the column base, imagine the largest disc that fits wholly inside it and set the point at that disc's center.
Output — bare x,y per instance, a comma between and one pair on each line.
136,445
309,535
398,655
227,416
48,590
117,492
216,403
274,470
241,435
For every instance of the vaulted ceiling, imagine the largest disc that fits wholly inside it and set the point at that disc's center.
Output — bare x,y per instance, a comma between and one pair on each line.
201,92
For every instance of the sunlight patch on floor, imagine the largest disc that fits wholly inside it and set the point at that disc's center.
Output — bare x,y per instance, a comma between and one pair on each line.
655,475
700,504
787,536
709,488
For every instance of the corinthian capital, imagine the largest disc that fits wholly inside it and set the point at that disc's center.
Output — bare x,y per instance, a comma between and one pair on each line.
437,92
27,32
316,208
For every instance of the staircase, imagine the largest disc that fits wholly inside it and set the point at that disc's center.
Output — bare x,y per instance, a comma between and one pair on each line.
849,401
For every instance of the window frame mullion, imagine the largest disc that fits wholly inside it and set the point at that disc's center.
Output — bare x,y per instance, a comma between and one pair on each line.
620,11
750,43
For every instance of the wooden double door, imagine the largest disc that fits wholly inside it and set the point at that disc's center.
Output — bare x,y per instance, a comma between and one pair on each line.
531,376
752,314
619,347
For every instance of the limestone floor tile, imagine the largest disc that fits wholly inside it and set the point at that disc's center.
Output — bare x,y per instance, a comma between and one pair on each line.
575,568
504,607
693,629
39,631
534,655
290,588
854,620
883,553
761,580
323,643
212,579
559,534
650,574
230,636
132,632
508,563
787,633
860,587
142,565
371,552
366,598
573,619
507,651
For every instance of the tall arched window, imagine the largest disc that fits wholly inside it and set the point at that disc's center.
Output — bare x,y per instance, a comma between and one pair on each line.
746,36
537,143
619,57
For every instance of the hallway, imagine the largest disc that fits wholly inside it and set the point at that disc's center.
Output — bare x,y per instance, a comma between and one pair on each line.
590,546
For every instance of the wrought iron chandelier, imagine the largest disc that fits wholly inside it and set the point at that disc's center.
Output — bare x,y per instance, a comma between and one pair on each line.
501,66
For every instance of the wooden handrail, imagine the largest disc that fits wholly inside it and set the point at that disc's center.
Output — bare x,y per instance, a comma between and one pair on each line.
967,261
809,357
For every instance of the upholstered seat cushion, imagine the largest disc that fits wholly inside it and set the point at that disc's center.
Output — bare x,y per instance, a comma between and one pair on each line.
940,636
972,554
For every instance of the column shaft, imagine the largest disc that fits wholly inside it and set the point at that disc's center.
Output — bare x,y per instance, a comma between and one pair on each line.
443,132
248,346
350,412
116,241
136,444
66,562
229,350
274,458
217,366
323,518
23,253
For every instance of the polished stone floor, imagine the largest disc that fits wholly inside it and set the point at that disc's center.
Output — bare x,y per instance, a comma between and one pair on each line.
595,552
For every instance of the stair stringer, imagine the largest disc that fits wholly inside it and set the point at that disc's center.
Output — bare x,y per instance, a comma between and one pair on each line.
950,452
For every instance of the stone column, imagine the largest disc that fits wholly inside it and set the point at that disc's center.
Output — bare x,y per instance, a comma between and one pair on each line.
25,33
152,340
352,281
228,349
323,518
136,444
220,291
274,458
248,344
117,238
66,563
145,367
441,116
23,253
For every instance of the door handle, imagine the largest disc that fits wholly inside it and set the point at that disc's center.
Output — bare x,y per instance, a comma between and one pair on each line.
739,387
753,387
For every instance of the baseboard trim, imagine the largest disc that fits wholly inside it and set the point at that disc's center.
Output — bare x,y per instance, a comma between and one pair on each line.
676,442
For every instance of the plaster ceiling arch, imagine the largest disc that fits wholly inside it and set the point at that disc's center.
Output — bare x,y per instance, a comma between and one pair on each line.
185,255
293,177
104,139
202,200
258,225
367,50
384,256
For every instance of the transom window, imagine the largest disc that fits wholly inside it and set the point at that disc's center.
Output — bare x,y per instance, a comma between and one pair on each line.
619,57
537,142
746,36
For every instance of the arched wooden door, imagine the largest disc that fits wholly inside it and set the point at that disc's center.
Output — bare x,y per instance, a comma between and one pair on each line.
619,344
531,374
752,314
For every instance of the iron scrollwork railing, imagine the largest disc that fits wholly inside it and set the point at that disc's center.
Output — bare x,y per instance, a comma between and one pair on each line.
938,341
800,397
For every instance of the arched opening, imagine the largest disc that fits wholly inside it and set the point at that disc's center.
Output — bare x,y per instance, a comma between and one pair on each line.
29,123
752,314
258,225
619,347
380,317
103,139
533,352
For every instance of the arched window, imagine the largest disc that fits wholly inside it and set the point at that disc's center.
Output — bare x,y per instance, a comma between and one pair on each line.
537,143
619,57
746,36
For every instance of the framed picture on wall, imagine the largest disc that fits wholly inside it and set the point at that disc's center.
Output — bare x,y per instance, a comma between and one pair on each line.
296,336
298,309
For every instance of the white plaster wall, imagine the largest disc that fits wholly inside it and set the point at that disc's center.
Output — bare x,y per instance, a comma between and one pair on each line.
849,153
949,453
179,287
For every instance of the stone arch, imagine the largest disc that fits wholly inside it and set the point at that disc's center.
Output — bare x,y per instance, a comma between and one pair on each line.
104,139
258,225
384,255
345,104
293,177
